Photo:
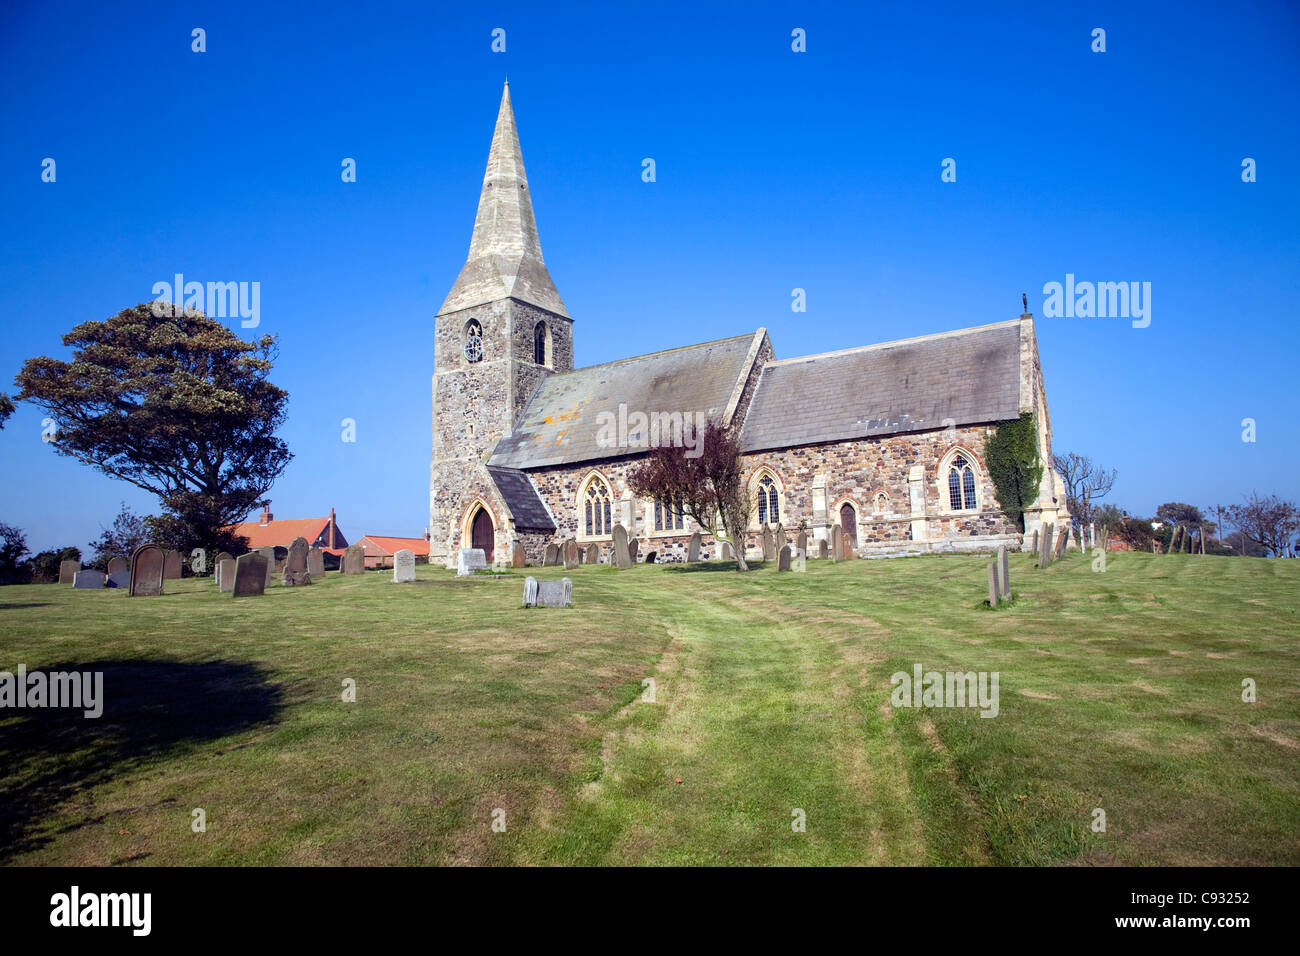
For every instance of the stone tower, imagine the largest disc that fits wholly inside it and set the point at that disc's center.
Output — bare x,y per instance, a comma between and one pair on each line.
501,330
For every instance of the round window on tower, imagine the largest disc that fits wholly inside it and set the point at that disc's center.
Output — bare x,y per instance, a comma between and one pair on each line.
474,341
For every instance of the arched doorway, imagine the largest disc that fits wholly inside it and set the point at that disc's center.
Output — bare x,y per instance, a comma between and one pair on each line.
849,522
481,533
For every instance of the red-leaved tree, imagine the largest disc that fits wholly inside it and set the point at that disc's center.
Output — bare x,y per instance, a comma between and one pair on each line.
706,480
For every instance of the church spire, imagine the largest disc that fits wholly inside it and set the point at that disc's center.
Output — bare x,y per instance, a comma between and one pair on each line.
505,254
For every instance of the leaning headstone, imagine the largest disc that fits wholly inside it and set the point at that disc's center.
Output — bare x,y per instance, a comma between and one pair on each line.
404,566
1063,542
172,562
117,563
530,591
469,560
226,575
1004,575
633,548
650,557
1045,550
570,555
316,564
355,560
593,553
801,542
821,548
295,566
517,557
783,558
68,570
552,556
993,584
216,565
88,580
118,579
693,549
555,593
837,544
779,543
769,544
622,554
145,578
250,575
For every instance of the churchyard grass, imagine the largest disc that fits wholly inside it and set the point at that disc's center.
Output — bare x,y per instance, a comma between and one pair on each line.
1119,690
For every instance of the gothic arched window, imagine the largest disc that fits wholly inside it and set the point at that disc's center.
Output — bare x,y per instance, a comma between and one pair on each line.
474,341
539,344
597,509
668,514
769,511
961,485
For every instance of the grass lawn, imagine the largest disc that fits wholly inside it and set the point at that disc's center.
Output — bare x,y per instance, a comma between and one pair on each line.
1118,690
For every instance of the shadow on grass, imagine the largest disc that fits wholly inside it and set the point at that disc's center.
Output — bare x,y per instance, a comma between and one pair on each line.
11,607
150,708
711,566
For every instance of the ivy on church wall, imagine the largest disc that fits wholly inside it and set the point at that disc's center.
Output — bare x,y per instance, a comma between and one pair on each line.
1011,456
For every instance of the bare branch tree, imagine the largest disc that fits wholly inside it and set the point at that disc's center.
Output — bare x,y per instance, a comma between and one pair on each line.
1085,482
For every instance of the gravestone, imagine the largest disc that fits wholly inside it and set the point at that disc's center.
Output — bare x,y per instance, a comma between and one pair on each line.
801,542
769,544
68,570
650,557
269,554
295,565
117,563
993,584
403,566
548,593
1035,541
570,555
622,555
821,548
469,560
1045,550
316,563
1004,577
593,553
693,549
172,562
783,558
145,578
837,544
88,580
1063,542
780,539
517,557
226,575
354,559
216,567
633,548
727,553
552,555
118,579
251,573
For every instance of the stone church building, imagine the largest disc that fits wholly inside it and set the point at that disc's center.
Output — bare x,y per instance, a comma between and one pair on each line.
885,441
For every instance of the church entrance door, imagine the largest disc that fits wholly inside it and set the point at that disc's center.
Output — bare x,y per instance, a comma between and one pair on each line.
481,535
849,522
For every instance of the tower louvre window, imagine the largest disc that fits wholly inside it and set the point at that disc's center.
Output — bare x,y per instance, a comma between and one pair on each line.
474,341
539,344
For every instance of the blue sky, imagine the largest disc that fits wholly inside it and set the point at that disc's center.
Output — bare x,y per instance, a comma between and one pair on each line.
775,170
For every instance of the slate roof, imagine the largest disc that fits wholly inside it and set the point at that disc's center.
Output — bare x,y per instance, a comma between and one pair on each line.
522,500
970,376
562,421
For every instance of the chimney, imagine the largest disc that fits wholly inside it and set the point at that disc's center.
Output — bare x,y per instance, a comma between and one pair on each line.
331,527
266,517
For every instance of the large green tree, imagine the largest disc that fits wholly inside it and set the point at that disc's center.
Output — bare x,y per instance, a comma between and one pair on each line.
174,403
